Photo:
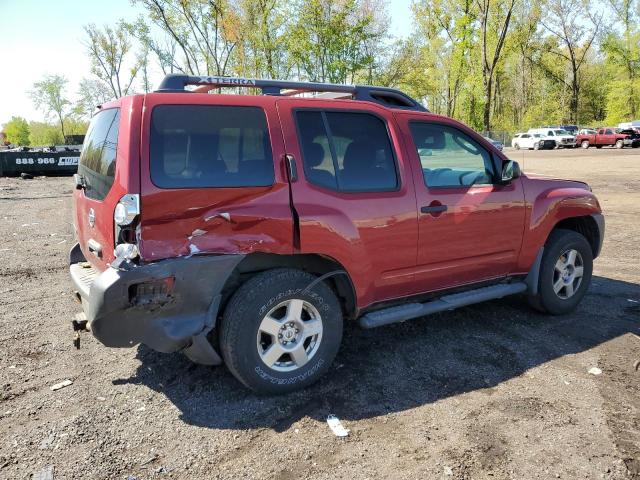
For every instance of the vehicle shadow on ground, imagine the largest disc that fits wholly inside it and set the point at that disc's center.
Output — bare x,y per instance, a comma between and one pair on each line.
399,367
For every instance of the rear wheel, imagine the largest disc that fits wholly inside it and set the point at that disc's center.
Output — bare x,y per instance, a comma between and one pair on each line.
565,272
536,146
585,144
275,336
619,144
517,146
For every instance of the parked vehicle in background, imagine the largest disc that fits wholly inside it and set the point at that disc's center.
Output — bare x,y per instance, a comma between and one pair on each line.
245,229
533,141
635,125
496,143
609,136
570,129
586,131
562,138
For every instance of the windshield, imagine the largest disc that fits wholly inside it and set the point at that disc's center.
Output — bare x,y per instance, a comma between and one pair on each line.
537,135
561,132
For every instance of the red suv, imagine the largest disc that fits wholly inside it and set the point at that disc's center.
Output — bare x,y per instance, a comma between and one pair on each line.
244,228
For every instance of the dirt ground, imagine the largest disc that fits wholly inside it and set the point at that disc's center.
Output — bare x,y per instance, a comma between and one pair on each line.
490,391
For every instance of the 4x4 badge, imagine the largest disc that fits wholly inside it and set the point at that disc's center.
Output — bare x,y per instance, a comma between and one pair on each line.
92,217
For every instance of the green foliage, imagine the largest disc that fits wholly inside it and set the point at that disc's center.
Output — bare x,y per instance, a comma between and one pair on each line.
109,49
44,134
333,40
48,95
17,131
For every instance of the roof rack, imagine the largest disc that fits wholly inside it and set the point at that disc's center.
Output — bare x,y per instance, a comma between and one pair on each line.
389,97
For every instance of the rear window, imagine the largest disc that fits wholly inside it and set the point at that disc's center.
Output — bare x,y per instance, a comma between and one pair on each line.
198,146
98,158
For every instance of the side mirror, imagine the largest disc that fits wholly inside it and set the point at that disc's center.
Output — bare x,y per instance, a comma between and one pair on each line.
510,171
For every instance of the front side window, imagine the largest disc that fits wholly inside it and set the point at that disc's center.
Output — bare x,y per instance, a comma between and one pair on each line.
346,151
97,163
199,146
450,158
608,132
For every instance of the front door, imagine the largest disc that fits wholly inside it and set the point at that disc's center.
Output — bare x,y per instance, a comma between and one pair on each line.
353,194
470,226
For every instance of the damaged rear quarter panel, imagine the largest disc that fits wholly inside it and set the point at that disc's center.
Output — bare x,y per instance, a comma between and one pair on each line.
224,220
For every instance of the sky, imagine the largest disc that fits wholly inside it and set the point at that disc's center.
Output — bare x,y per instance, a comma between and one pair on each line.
40,37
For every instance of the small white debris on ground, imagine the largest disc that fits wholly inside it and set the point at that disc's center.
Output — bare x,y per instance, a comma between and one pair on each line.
45,474
595,371
60,385
336,426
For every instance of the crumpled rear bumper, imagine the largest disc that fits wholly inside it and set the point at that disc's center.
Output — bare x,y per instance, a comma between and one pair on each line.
118,317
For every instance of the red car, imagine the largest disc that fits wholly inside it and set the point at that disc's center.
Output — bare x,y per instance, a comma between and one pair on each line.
245,229
608,136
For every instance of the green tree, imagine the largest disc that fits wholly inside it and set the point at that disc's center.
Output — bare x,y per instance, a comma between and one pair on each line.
48,95
621,46
330,38
17,131
110,51
44,134
206,33
91,93
573,26
262,47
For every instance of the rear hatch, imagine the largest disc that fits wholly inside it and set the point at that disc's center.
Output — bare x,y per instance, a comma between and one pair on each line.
105,167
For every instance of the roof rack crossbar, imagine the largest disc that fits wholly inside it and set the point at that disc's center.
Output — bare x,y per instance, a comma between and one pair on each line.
384,95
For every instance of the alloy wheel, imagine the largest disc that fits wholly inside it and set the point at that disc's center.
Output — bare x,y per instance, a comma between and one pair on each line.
567,274
289,335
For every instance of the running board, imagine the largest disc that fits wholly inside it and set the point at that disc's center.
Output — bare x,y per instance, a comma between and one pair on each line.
409,311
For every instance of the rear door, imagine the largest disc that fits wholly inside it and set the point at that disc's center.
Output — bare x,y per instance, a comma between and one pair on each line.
212,176
470,227
108,165
353,194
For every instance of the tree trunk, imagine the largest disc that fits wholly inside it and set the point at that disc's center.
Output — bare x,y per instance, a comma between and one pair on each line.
486,116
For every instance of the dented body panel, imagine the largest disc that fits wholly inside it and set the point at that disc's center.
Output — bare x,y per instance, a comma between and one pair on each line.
180,222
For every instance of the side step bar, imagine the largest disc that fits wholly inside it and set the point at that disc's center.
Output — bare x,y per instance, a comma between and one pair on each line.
409,311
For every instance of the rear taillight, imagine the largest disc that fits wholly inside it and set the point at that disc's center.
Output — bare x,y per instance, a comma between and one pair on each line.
126,216
152,292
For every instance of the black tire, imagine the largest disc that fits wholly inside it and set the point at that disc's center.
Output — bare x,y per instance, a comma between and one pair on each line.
536,146
241,322
559,242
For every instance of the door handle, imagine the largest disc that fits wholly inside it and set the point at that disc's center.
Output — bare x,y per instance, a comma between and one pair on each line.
292,170
434,209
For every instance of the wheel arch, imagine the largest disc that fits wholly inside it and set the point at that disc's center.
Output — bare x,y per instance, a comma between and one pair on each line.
587,226
316,264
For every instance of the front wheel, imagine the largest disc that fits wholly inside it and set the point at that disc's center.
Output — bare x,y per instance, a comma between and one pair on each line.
585,144
276,336
517,146
565,272
536,146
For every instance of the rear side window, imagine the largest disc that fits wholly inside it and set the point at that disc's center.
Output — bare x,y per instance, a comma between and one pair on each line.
198,146
346,151
98,158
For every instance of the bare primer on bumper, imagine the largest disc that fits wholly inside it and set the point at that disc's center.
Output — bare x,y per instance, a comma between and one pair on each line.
166,326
